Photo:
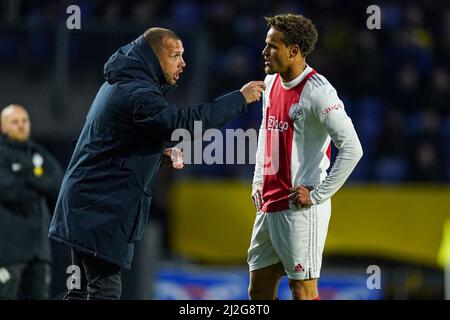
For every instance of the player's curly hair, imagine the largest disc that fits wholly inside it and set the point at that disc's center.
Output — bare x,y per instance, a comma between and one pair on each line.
297,30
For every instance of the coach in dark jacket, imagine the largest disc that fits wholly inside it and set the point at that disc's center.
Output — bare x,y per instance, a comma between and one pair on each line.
28,177
105,196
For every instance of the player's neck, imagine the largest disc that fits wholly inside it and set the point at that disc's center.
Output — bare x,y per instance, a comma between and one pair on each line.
294,71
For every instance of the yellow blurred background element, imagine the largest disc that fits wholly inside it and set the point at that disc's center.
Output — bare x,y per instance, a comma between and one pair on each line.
444,250
212,221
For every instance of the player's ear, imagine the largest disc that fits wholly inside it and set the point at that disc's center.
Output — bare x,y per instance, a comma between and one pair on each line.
294,51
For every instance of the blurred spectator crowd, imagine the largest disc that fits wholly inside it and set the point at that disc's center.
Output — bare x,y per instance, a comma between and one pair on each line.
394,81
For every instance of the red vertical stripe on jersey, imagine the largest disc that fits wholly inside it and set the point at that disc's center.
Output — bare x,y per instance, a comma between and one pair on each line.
329,152
280,131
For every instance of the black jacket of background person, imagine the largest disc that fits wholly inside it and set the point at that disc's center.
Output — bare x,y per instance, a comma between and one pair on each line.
24,215
105,196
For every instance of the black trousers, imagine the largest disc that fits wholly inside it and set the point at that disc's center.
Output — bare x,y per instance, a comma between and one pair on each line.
28,280
97,279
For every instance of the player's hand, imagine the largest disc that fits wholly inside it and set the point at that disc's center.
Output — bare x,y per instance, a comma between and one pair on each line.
300,196
257,197
173,157
252,91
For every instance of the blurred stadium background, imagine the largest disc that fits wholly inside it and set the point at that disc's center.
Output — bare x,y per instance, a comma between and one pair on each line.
395,86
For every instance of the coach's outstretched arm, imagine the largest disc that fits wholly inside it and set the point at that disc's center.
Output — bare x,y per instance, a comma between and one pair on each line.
151,109
329,109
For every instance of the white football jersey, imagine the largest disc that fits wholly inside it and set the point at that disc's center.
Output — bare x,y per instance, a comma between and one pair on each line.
300,119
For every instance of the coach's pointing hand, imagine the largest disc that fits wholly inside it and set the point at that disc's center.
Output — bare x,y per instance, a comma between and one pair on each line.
252,91
173,157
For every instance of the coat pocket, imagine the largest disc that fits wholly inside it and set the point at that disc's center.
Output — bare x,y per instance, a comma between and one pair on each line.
140,218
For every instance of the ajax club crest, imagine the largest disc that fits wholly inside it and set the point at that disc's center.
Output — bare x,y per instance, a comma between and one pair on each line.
295,112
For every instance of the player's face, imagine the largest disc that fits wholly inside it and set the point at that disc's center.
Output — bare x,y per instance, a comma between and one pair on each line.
275,53
171,59
16,124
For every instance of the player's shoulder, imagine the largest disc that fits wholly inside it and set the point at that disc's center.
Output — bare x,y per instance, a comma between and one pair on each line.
319,87
317,80
321,92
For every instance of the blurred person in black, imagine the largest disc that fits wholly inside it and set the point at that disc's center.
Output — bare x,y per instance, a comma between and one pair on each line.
104,202
29,176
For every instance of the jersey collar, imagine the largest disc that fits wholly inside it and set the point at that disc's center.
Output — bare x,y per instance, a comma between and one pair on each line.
291,84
